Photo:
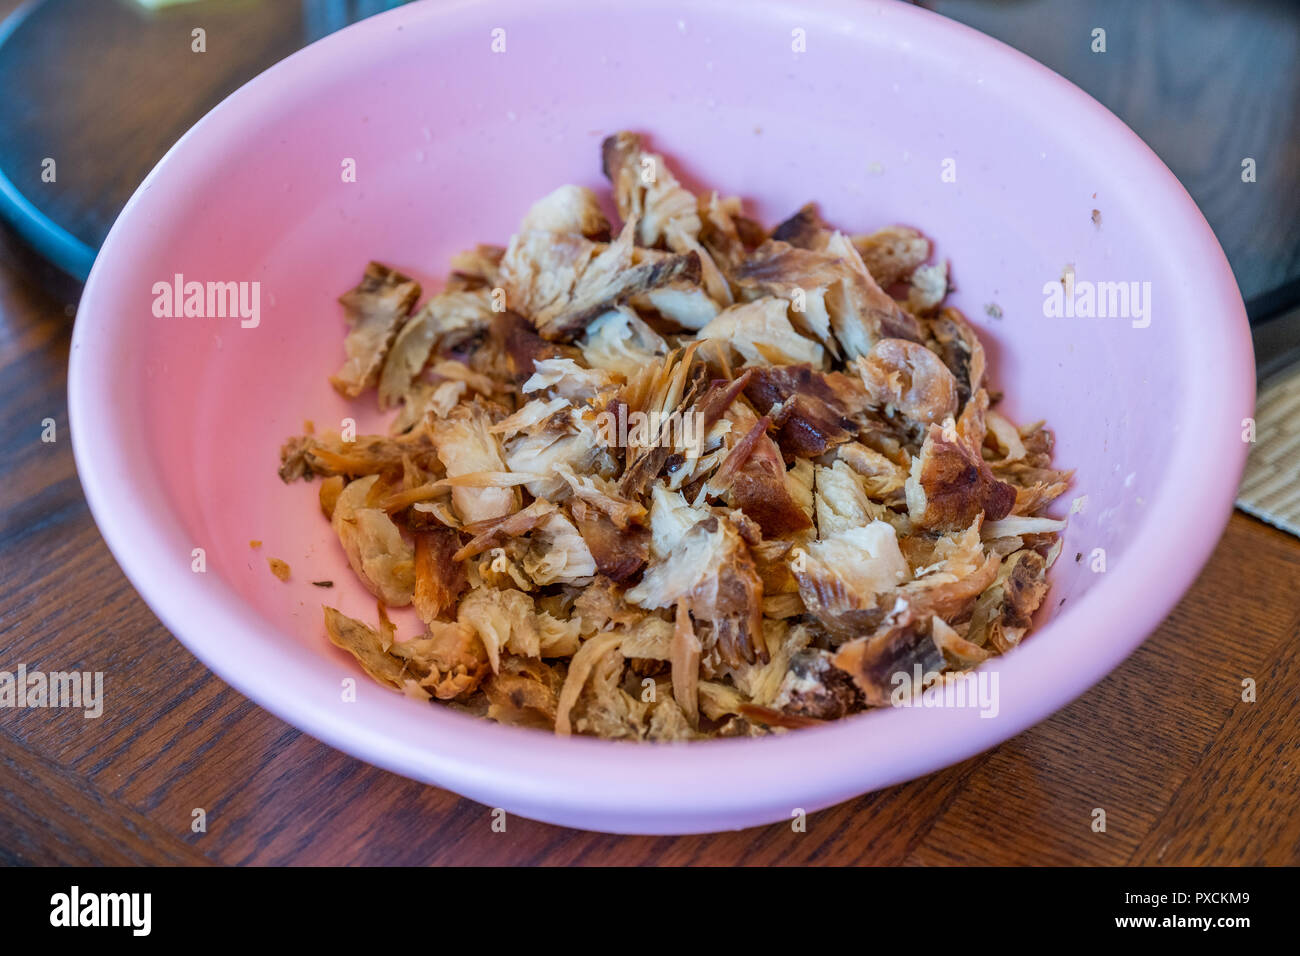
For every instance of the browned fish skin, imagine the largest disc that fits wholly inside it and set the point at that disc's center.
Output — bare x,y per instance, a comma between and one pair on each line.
619,553
896,647
820,689
523,347
817,409
804,230
376,310
957,486
892,254
650,275
439,578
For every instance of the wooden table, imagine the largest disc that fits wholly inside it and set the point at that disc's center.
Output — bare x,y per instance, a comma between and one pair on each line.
1186,771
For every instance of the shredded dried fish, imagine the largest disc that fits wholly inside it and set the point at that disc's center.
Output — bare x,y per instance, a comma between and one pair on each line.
679,477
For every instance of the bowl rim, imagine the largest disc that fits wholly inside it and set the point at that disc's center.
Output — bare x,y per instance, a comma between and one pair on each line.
705,785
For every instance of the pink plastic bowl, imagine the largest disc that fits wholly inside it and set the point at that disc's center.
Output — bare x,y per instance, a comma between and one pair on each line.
177,422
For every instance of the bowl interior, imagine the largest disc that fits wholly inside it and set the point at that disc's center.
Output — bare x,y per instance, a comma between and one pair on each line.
887,115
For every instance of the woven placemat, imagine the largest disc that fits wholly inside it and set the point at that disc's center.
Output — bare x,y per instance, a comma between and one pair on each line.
1270,489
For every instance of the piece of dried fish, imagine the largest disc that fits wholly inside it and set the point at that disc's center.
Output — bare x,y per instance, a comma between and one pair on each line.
376,309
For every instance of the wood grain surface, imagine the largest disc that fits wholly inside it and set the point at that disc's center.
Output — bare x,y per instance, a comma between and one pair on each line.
1186,771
